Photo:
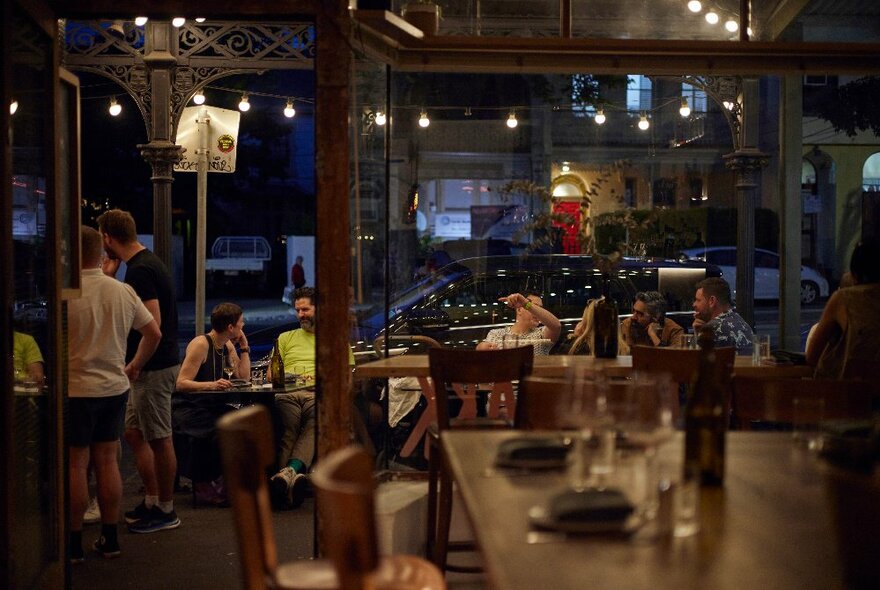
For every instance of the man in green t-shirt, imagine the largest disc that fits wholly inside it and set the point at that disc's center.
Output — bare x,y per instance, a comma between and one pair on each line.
297,409
28,360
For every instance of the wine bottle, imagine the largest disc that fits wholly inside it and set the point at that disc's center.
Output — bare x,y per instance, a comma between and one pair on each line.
705,420
276,367
605,328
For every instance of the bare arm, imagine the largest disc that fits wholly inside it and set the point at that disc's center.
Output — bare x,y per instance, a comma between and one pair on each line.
552,325
151,334
829,328
35,372
241,362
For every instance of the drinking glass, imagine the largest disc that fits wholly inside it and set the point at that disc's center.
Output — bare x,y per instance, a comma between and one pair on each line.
228,367
687,341
509,341
585,408
760,348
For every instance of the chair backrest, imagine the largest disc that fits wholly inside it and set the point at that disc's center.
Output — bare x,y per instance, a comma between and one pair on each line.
464,370
680,363
758,399
246,445
416,340
538,402
345,489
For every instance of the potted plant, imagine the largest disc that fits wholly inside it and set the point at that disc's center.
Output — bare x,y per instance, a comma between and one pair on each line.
424,14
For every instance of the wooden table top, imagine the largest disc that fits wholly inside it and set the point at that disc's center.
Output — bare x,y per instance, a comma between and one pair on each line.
416,365
768,527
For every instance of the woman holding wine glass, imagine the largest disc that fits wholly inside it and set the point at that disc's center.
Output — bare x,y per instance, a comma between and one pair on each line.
212,360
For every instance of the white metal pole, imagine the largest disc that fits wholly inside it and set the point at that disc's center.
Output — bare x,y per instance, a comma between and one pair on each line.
204,128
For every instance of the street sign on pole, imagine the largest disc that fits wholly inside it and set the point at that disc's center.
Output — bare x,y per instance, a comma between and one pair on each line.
222,141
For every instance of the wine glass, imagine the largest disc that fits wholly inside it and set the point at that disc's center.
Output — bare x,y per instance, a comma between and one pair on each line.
228,367
585,408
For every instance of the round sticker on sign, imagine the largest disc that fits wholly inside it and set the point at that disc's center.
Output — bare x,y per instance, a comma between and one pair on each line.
226,143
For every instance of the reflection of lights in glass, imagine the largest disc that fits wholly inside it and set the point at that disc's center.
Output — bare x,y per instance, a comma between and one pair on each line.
712,18
643,121
198,97
424,121
13,106
511,120
685,110
380,118
731,25
140,20
749,31
289,111
178,21
244,106
115,107
600,117
728,105
695,6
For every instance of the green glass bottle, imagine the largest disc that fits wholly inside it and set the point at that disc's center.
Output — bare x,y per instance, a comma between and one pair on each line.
276,367
605,322
705,419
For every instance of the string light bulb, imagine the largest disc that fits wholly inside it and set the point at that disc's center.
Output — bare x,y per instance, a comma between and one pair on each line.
13,106
566,167
178,21
731,25
200,19
140,21
685,109
424,121
511,120
115,108
244,106
289,111
712,17
600,116
643,121
199,97
380,118
695,6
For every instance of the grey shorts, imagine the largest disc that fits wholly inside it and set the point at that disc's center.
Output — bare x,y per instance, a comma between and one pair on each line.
149,405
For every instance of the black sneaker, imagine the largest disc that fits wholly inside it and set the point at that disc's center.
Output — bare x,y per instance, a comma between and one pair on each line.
138,513
76,554
108,550
155,522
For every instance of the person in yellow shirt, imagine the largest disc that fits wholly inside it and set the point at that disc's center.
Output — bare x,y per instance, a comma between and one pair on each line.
28,360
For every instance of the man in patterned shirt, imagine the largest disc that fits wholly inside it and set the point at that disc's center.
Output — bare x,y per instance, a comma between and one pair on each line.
712,307
533,325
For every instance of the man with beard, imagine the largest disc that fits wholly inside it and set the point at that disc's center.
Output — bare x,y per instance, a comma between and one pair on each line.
713,308
648,325
297,409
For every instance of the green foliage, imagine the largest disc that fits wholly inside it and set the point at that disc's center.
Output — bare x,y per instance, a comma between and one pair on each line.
856,107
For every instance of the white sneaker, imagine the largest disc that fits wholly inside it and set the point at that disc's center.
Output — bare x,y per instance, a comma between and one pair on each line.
279,484
92,513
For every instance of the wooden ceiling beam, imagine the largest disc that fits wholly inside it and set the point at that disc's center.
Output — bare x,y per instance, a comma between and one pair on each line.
165,9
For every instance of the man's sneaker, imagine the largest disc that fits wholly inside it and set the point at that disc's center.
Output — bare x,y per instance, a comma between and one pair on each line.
279,484
139,513
76,554
108,550
155,522
296,492
93,513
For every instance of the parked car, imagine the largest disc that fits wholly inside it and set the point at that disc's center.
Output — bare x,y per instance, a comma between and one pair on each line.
458,304
813,284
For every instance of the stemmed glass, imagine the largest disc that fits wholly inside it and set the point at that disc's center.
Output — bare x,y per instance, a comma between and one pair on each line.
585,408
228,367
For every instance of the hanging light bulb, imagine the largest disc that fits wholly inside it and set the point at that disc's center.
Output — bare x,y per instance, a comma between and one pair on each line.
115,107
200,19
199,97
13,106
727,105
289,111
140,21
685,109
731,25
244,106
424,121
178,21
600,116
511,120
712,17
380,118
566,167
695,6
643,121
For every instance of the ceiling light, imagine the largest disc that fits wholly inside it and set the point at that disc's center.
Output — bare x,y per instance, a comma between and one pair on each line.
289,111
731,25
380,118
684,110
695,6
200,19
511,120
244,106
424,121
712,18
115,108
178,21
643,121
600,116
13,106
198,97
140,20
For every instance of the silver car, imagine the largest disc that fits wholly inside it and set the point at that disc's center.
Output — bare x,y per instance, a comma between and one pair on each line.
813,284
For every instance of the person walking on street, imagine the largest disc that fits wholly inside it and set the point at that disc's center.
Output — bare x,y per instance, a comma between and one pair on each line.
298,273
98,385
148,413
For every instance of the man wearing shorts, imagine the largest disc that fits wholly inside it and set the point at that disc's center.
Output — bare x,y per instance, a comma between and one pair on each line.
98,384
148,413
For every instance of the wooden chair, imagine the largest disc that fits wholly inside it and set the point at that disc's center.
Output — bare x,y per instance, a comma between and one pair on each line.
246,446
345,491
538,401
463,371
760,400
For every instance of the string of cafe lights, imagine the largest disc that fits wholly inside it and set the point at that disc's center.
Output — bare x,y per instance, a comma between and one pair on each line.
714,15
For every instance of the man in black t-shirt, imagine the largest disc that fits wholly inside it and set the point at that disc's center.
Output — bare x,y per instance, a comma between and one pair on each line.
148,413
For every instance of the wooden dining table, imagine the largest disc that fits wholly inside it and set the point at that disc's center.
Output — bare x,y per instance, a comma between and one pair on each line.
769,526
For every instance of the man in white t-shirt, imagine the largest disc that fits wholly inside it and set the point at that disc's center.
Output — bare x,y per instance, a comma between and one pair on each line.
533,325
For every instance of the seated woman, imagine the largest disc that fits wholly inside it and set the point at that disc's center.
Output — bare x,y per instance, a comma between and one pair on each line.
648,325
582,337
533,323
194,411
